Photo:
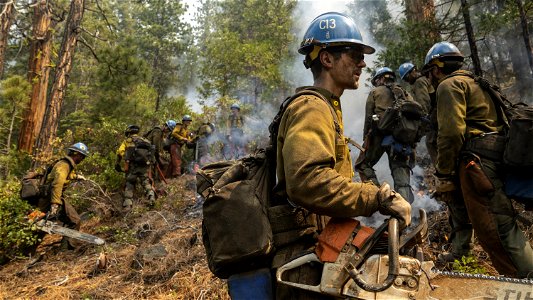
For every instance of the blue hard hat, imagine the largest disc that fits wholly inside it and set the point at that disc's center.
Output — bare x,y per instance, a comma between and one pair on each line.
80,148
171,124
405,68
186,118
236,106
381,72
443,50
329,30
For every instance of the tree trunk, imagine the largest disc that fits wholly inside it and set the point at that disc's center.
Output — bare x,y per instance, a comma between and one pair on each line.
59,86
471,39
525,33
7,14
38,73
423,12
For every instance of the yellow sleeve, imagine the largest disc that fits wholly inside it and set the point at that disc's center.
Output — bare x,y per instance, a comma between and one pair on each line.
421,90
308,153
451,115
180,134
121,151
60,175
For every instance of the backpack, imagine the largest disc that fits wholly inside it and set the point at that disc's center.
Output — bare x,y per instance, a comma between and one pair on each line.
236,229
142,153
403,120
515,149
518,119
33,184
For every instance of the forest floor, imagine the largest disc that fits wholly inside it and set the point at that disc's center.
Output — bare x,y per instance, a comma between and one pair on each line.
152,253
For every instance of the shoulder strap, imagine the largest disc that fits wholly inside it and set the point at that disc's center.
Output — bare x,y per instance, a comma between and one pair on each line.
274,126
500,101
51,166
398,93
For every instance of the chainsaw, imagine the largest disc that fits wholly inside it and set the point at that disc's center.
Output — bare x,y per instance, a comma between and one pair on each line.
41,222
362,263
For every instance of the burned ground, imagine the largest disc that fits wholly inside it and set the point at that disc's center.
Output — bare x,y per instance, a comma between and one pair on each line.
154,253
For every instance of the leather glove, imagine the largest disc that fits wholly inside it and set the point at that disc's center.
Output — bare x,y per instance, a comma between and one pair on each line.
54,211
444,190
393,204
118,168
80,177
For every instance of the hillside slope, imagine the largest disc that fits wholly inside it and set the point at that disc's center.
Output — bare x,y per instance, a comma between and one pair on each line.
155,253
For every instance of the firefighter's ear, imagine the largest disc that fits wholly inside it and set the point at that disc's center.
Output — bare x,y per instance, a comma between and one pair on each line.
326,59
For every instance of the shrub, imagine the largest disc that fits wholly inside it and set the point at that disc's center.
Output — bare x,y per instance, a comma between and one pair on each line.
16,234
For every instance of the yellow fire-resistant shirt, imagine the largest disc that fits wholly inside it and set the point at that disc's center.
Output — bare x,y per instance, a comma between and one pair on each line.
313,163
181,134
60,177
464,110
127,143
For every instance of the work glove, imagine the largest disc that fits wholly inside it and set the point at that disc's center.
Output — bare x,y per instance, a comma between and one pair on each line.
54,211
445,189
118,168
393,204
80,177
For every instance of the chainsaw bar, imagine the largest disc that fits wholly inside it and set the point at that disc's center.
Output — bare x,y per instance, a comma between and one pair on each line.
482,276
51,227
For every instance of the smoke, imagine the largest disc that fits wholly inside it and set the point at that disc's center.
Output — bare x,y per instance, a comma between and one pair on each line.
352,101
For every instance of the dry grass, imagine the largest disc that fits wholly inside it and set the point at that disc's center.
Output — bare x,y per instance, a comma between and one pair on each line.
180,272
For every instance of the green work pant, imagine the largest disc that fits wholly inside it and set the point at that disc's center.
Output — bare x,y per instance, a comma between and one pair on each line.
398,164
137,173
493,217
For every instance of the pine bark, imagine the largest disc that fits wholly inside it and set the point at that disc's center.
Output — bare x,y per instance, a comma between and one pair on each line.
59,86
423,12
7,14
38,74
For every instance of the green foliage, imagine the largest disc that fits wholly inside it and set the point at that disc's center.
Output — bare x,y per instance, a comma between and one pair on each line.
14,96
468,264
16,234
13,164
244,58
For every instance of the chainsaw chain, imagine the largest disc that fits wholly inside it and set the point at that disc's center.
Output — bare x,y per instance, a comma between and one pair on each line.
481,276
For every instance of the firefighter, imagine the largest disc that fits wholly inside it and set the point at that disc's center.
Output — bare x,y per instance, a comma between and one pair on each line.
57,206
158,136
178,138
376,143
314,168
235,134
138,155
469,170
423,93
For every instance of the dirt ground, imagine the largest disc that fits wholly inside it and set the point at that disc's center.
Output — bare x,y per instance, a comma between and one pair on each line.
151,253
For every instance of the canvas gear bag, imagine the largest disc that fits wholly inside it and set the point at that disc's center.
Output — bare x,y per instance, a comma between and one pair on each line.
518,119
142,153
403,120
237,228
33,184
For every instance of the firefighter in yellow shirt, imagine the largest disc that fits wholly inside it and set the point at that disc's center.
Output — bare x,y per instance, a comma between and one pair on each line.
179,137
138,155
57,206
